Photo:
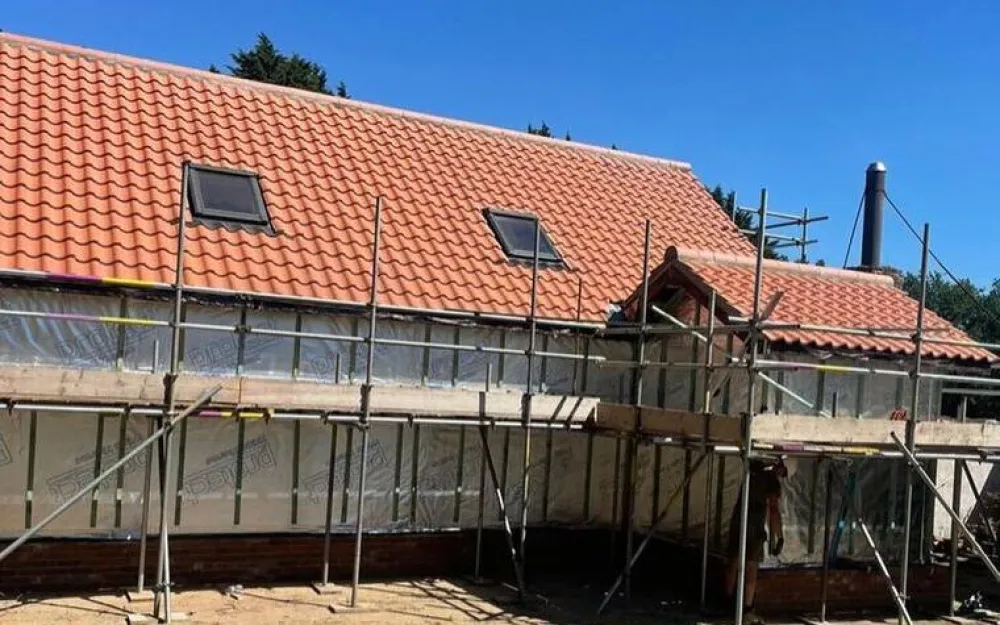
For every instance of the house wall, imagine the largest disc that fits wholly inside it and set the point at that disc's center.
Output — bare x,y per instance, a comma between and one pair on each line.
878,495
419,477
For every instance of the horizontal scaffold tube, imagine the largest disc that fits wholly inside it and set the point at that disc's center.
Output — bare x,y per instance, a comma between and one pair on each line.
808,450
205,397
125,321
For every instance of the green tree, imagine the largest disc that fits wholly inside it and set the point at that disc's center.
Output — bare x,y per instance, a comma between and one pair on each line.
541,131
545,131
971,309
265,63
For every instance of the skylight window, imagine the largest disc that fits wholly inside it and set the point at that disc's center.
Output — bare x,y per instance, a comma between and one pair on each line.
226,195
516,233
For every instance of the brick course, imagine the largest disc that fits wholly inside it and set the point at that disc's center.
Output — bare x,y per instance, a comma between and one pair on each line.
586,556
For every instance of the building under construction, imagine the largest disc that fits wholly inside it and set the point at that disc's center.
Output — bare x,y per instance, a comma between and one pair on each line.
248,330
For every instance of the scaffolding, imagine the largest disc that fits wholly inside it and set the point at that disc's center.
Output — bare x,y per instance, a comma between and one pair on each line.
166,416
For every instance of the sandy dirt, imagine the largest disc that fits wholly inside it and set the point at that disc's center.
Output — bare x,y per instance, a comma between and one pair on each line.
405,603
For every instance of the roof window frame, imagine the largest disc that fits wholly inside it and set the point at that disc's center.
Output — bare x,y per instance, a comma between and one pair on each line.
199,210
516,255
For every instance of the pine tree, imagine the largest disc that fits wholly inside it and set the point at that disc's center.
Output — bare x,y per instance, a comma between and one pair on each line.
541,131
265,63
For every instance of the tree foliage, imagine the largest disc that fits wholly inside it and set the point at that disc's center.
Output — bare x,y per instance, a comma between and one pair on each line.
743,220
971,309
541,131
265,63
545,131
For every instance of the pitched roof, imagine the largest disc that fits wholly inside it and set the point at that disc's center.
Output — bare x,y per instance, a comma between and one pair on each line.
91,147
817,296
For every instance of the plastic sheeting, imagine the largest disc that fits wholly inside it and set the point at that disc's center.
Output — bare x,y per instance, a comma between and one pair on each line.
419,477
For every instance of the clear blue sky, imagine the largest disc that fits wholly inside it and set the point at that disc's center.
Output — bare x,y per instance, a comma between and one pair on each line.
795,96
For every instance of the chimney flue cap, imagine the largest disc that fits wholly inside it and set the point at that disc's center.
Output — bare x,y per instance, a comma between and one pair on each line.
877,166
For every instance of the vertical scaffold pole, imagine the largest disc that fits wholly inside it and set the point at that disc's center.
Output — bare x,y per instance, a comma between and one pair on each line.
140,585
706,409
826,543
366,404
751,351
911,421
481,513
805,237
324,583
163,572
637,383
526,408
956,504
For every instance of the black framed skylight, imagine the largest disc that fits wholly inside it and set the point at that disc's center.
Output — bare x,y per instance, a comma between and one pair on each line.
226,195
516,234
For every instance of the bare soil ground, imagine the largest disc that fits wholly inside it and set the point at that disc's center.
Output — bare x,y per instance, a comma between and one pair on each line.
405,603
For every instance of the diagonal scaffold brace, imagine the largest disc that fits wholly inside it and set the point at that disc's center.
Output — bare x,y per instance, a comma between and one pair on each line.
651,533
111,470
508,530
896,595
516,549
922,474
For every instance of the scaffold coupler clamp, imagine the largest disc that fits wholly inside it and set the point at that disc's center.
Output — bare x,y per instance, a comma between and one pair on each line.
746,450
160,587
366,402
526,400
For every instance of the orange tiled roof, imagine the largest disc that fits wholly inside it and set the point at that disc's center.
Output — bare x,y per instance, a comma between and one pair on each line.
821,296
91,146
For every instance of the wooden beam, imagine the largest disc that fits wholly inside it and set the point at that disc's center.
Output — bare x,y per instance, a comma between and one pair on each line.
665,422
808,429
785,428
88,386
99,387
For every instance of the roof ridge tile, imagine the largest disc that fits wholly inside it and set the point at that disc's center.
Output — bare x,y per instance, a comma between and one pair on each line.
692,256
301,95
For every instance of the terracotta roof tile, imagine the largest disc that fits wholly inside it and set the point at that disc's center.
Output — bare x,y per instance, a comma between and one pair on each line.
91,146
819,296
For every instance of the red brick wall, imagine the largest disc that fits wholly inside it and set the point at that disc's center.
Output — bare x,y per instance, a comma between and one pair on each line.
794,590
88,565
799,591
575,556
